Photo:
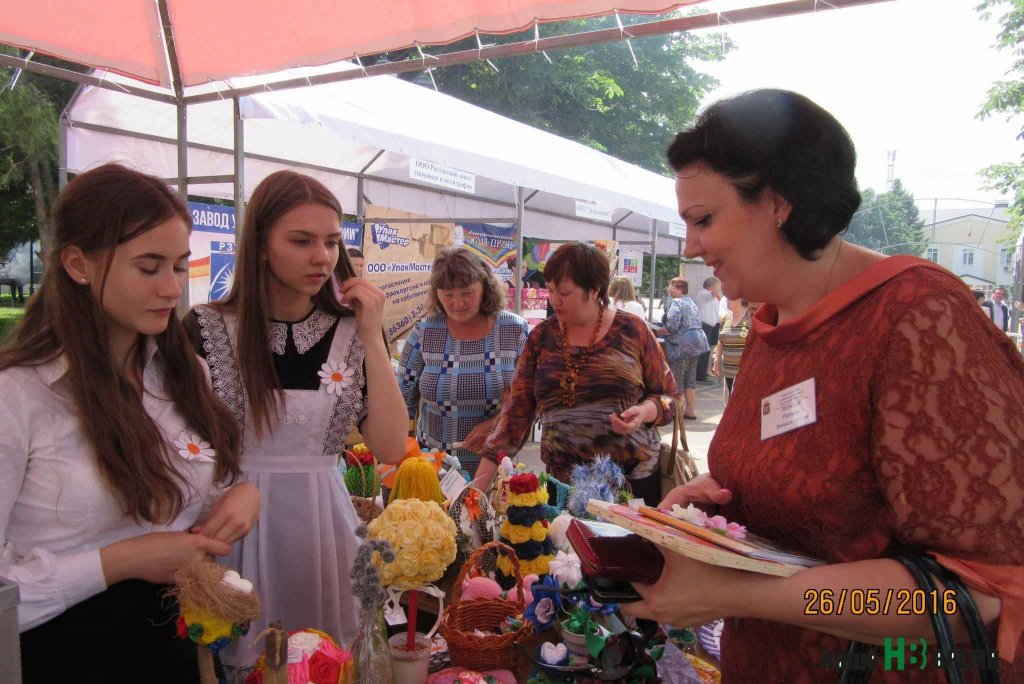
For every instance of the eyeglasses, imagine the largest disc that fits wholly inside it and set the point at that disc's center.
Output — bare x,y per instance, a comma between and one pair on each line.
621,654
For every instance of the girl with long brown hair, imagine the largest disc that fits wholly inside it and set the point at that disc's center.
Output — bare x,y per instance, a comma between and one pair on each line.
299,366
112,444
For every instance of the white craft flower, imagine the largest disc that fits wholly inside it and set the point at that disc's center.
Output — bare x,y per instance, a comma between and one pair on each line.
336,375
193,448
565,568
690,514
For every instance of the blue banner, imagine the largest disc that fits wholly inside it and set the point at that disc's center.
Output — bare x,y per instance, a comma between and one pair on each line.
212,218
352,235
222,269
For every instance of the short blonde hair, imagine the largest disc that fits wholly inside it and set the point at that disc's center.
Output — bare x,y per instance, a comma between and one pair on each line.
461,267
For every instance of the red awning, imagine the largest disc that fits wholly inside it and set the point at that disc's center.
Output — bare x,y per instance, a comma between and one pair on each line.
222,39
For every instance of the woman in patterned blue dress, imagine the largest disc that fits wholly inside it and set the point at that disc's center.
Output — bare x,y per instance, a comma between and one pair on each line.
461,357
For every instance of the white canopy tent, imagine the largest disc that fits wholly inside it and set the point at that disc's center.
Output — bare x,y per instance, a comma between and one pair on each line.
361,137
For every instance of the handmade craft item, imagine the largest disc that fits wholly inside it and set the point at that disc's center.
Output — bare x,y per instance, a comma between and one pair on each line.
417,479
216,607
525,529
370,650
361,478
474,520
389,471
422,537
601,479
307,655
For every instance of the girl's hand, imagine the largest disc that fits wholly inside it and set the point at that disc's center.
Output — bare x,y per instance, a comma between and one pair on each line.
234,514
367,301
701,490
156,556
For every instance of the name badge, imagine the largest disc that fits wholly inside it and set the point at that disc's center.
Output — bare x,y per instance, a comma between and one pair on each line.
788,409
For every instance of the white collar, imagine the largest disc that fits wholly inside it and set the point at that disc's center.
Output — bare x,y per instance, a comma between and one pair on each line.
305,333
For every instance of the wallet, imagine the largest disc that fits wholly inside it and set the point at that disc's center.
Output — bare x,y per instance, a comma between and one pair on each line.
613,558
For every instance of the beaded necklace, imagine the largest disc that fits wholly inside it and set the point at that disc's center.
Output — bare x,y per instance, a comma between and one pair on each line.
573,363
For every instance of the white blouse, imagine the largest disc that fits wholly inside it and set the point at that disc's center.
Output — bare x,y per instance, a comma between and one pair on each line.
56,511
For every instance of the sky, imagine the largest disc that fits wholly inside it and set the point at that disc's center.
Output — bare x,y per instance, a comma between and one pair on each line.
904,75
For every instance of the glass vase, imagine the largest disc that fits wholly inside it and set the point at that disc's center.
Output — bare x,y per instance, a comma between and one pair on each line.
370,653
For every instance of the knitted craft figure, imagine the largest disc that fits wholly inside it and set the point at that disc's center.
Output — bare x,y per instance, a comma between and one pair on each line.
525,529
361,478
417,479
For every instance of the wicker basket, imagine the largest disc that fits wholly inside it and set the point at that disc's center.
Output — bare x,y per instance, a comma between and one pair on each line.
366,509
492,651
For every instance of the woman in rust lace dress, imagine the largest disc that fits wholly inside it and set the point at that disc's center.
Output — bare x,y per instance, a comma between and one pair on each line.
919,400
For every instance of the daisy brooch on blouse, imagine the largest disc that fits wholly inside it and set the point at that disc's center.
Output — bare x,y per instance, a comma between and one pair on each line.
191,447
336,375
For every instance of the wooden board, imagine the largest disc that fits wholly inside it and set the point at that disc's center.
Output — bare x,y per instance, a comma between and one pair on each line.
682,543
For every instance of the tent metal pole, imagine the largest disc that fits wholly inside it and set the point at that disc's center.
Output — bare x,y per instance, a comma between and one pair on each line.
239,140
62,152
360,200
84,79
517,275
654,272
711,20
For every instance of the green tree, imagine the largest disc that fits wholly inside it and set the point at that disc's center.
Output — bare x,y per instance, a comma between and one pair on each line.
28,148
596,95
1007,97
17,216
888,222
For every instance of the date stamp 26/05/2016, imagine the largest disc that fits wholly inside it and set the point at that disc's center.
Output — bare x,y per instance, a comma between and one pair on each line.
878,602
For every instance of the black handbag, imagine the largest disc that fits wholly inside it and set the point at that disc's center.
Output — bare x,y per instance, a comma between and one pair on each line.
922,567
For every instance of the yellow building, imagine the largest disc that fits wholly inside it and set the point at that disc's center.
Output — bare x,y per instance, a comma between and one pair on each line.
966,241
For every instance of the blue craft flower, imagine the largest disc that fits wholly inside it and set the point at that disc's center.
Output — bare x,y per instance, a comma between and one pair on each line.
540,589
593,606
541,613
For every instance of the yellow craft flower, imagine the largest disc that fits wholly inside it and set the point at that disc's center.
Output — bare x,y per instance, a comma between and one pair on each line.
422,537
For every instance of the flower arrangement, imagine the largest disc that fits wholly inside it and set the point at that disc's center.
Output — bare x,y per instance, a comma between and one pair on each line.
422,537
600,479
716,523
361,478
314,657
370,651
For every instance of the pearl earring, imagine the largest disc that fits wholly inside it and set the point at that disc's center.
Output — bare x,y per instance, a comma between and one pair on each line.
84,281
778,223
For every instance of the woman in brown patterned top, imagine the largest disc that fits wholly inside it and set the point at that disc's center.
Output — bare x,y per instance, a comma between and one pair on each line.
596,376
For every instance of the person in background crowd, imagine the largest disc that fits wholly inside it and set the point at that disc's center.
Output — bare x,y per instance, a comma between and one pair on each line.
623,297
596,376
731,340
459,360
358,261
707,303
299,368
117,460
998,310
916,438
685,341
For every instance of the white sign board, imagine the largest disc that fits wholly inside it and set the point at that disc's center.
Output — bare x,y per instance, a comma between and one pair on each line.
593,210
631,265
677,230
435,174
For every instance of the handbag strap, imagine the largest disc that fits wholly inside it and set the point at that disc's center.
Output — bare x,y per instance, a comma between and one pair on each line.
921,568
968,610
943,632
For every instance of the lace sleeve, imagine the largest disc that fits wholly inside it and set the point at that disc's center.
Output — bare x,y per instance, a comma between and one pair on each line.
948,433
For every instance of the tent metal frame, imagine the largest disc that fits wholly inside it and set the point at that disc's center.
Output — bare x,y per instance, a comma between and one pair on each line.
181,101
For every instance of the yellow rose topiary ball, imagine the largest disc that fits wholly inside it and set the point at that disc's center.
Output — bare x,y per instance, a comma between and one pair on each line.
422,536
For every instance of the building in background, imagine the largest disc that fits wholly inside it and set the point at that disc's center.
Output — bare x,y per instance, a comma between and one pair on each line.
966,241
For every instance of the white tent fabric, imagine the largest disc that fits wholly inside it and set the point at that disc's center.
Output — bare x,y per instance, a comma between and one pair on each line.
334,131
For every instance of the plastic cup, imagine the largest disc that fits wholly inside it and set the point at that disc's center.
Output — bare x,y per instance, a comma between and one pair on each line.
409,667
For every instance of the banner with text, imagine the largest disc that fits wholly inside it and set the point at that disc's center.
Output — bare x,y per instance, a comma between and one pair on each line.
495,244
211,267
398,260
631,265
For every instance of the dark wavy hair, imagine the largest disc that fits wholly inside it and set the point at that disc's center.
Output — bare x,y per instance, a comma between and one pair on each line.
583,264
780,140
